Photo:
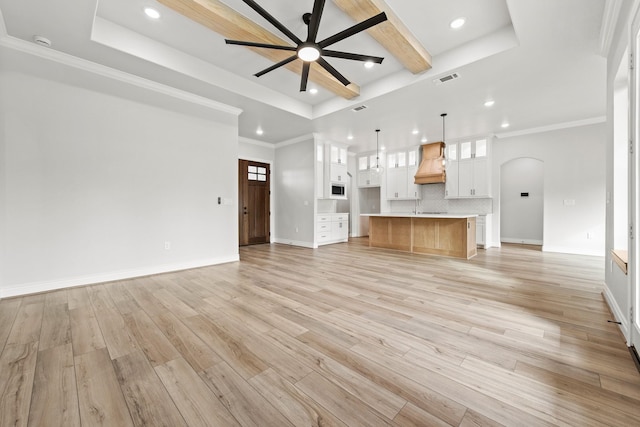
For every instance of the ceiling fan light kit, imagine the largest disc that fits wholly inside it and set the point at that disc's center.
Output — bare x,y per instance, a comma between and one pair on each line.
311,50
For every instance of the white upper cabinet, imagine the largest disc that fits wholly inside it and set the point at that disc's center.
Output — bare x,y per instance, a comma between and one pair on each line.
331,169
401,169
338,155
468,169
367,175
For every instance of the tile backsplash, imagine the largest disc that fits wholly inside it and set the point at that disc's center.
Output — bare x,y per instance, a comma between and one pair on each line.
433,201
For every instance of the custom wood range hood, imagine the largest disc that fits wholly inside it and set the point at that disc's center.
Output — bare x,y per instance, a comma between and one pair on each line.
431,169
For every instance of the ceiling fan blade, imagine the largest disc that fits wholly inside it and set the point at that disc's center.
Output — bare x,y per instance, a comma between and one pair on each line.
278,65
314,24
353,56
255,6
324,64
373,21
305,76
263,45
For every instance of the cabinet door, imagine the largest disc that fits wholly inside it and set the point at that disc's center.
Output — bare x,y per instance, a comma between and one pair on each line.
413,189
338,173
364,178
465,179
480,178
339,230
480,234
396,180
451,184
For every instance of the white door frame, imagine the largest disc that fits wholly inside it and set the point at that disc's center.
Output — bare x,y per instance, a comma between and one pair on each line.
634,187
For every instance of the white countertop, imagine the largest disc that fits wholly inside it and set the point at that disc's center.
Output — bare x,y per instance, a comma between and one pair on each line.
422,215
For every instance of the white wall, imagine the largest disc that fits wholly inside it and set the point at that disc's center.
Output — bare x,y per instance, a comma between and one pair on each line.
521,218
94,185
574,170
294,184
256,150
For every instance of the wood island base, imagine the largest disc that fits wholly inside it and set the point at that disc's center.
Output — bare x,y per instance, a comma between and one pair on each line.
445,236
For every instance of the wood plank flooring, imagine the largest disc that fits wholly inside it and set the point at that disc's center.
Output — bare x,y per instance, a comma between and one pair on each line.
345,335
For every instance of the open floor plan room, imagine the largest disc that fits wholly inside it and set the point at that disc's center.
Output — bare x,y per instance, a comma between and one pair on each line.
347,335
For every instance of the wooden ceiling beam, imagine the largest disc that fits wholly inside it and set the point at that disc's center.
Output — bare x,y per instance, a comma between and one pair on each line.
230,24
393,35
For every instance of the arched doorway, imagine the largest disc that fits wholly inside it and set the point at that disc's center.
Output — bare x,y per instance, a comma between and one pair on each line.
522,201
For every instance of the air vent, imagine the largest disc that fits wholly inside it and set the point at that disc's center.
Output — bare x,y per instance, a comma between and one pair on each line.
359,108
447,78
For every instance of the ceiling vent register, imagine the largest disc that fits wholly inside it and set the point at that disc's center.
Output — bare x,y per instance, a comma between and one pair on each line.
447,78
359,108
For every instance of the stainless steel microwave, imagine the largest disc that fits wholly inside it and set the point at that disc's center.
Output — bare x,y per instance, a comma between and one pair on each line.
338,190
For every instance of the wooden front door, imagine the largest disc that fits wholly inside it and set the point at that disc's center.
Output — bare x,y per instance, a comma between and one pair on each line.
253,202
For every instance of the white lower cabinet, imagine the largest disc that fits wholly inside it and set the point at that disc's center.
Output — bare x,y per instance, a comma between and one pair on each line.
483,230
332,228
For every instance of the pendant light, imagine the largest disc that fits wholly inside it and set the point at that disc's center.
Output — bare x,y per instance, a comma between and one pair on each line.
378,168
444,158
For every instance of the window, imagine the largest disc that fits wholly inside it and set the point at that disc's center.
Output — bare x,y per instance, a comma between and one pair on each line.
257,173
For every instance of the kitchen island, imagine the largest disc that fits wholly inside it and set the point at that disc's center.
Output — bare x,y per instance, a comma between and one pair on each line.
452,235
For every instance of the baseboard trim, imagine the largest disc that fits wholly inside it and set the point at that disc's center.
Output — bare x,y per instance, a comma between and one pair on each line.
38,287
521,241
300,243
635,357
617,312
572,250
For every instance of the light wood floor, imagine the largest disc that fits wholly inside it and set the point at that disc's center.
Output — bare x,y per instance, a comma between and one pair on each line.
342,335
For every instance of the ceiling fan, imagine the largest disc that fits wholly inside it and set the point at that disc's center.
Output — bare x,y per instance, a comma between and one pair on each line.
311,50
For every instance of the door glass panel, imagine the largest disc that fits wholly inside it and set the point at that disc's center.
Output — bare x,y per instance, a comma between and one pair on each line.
402,159
253,169
391,160
453,152
413,155
253,177
465,150
362,163
481,148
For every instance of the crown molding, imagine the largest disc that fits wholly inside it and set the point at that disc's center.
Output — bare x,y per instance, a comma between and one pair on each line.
610,17
302,138
256,142
557,126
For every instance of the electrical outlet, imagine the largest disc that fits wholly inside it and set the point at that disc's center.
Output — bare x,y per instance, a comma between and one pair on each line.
588,236
167,246
297,229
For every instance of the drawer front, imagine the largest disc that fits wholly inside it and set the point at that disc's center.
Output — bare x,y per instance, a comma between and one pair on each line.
323,226
324,236
341,217
324,218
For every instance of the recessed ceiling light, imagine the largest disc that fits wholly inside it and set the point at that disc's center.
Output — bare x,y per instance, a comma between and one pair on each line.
505,125
489,103
457,23
382,148
151,13
415,132
350,137
313,91
424,139
369,64
259,131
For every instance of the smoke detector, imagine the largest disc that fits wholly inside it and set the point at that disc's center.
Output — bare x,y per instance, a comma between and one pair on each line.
447,78
42,41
